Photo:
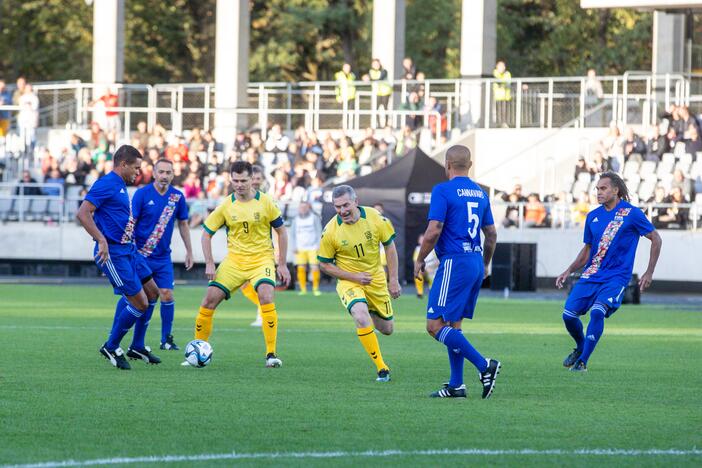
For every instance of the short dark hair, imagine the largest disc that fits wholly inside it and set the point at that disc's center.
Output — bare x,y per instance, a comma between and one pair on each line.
127,154
241,167
256,169
618,182
163,160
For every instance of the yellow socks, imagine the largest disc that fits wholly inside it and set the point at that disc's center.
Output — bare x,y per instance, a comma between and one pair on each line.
250,293
270,326
419,284
203,324
302,278
315,280
369,341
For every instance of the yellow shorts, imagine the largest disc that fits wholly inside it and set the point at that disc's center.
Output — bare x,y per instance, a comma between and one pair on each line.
376,295
230,276
306,257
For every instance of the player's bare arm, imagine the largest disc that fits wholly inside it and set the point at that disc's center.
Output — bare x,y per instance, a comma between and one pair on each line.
656,243
431,236
185,235
393,283
489,242
579,262
364,278
282,267
210,268
85,217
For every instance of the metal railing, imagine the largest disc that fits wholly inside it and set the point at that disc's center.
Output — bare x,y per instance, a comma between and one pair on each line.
560,215
635,98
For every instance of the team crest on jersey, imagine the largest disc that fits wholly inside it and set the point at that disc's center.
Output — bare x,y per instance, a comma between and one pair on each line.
344,243
257,216
368,234
621,212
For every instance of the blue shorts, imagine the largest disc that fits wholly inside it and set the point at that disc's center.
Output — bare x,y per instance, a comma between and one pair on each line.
162,271
585,294
127,273
456,286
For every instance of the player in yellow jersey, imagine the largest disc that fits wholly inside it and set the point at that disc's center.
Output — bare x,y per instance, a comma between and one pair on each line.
257,180
350,251
248,216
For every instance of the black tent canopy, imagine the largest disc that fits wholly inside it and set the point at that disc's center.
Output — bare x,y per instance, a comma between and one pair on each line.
404,189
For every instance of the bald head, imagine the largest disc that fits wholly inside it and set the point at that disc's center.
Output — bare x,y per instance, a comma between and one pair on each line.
458,158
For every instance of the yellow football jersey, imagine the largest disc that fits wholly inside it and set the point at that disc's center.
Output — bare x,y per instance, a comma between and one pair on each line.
248,227
356,247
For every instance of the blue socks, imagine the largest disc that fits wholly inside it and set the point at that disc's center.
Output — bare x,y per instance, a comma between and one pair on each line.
454,339
575,328
594,330
121,304
126,320
456,361
141,325
167,312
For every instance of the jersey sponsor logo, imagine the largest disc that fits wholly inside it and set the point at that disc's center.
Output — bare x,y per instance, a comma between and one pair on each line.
595,220
151,203
368,235
418,198
155,237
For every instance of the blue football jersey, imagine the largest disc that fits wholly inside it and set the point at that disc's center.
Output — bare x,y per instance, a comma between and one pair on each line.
155,216
113,215
464,209
613,237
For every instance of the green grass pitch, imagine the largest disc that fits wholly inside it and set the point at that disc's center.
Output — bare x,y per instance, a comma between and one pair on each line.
60,400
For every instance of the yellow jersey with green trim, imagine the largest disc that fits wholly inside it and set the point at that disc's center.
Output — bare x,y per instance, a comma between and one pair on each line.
356,247
248,227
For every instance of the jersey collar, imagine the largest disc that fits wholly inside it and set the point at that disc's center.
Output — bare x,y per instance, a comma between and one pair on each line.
360,208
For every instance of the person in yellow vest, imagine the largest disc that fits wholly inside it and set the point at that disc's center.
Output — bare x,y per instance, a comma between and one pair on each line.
383,89
345,90
502,93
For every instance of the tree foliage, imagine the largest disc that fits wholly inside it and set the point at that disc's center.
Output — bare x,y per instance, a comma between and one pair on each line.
295,40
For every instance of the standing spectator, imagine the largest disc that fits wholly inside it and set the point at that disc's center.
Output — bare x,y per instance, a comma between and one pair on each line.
345,90
28,118
19,90
409,71
593,96
109,100
413,121
502,93
581,167
276,142
512,210
142,135
633,146
382,89
600,164
77,143
192,186
5,115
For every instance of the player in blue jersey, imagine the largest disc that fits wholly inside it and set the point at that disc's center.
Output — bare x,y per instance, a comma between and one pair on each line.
106,215
612,233
155,208
459,210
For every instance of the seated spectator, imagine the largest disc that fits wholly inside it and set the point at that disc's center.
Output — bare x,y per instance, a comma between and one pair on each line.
55,177
415,120
73,175
196,144
633,146
177,148
693,142
512,211
27,191
179,174
275,140
198,210
535,212
407,142
281,188
211,144
581,209
688,119
657,145
676,216
612,147
684,184
599,164
671,138
192,187
581,167
142,135
77,143
146,174
656,211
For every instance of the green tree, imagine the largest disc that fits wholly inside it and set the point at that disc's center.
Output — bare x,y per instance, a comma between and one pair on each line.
433,36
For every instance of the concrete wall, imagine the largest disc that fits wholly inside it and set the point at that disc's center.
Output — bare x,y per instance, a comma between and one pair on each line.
680,258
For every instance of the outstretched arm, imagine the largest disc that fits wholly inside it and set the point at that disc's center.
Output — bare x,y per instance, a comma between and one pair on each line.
579,262
656,243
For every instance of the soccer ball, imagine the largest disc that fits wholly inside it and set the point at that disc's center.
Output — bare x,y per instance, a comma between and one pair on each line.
198,353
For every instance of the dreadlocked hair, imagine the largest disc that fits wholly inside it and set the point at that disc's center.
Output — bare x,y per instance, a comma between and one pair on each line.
617,182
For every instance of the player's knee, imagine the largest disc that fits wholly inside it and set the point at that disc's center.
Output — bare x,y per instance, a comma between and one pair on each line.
140,301
166,295
433,328
386,328
598,311
568,316
265,294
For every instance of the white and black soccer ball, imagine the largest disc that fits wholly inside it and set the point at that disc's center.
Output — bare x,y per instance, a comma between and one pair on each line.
198,353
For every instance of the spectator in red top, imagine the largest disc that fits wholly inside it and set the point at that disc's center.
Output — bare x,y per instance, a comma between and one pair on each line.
109,101
178,146
192,187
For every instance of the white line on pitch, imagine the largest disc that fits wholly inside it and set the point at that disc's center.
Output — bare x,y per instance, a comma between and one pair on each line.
369,453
